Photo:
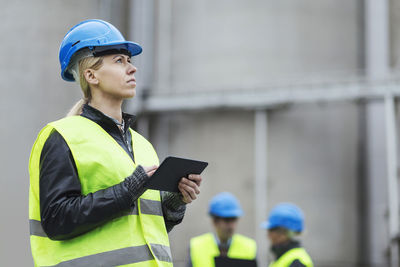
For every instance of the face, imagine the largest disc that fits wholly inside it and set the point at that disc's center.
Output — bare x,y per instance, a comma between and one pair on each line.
225,227
277,237
115,78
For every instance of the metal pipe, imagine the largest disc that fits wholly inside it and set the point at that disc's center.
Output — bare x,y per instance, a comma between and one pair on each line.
260,184
377,38
393,198
377,68
141,30
164,47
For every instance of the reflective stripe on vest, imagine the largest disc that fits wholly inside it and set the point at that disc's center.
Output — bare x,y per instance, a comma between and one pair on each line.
294,254
139,238
203,249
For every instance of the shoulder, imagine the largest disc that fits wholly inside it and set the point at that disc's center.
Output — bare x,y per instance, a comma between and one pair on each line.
148,155
244,239
201,238
298,257
49,139
139,138
55,141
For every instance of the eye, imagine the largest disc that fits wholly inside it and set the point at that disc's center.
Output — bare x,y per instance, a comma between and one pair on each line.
119,60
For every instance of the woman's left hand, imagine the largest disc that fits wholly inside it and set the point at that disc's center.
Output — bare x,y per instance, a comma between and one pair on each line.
189,187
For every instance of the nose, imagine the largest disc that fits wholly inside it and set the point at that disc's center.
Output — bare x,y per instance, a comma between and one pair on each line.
131,69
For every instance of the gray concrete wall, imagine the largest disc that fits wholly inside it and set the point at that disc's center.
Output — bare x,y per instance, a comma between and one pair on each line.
313,149
214,45
312,162
228,44
222,139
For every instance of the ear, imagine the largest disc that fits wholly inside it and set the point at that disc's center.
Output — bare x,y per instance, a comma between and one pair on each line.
90,77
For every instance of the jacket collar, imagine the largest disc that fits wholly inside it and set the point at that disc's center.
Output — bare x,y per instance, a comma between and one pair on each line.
101,118
281,249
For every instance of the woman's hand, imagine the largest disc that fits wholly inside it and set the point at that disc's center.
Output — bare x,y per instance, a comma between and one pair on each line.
150,170
189,187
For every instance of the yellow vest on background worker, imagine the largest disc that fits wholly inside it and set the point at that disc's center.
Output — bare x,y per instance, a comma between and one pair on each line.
135,239
204,248
289,217
290,256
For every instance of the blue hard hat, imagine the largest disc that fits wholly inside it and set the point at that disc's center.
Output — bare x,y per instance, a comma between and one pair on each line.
225,205
92,34
285,215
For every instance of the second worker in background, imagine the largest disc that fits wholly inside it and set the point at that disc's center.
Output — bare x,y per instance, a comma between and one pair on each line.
225,211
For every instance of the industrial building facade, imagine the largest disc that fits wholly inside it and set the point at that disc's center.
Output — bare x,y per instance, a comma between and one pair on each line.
288,101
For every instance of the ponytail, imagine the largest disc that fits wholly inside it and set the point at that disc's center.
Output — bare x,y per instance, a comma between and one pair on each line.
77,108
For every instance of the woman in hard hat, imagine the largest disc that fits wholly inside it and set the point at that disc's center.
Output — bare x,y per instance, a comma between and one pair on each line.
225,211
285,222
89,204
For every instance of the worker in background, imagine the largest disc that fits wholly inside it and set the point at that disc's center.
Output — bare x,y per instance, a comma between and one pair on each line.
89,204
225,211
285,222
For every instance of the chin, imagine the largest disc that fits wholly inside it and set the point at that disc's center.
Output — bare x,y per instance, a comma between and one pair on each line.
130,94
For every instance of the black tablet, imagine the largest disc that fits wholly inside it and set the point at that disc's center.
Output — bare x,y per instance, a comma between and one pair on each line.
229,262
171,170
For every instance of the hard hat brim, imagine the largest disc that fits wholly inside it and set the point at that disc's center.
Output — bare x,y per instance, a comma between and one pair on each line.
228,214
134,49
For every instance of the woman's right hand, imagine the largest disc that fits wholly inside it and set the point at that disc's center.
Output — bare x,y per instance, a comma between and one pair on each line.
150,170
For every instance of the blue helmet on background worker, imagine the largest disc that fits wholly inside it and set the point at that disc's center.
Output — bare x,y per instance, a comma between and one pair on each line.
225,205
95,35
285,215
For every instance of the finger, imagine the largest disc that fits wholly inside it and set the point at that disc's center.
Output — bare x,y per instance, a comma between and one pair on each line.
191,191
191,184
154,167
150,169
151,173
186,191
195,178
186,197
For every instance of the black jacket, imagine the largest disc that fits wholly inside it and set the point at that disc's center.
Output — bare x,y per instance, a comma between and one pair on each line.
66,213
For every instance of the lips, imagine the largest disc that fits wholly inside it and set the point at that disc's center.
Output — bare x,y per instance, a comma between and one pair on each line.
131,80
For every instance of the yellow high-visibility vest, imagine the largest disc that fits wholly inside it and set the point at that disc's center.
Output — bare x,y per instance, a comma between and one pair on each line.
138,238
203,249
294,254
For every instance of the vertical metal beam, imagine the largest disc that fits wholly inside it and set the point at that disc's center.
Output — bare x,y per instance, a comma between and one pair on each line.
164,41
377,66
260,184
141,30
391,148
377,38
362,190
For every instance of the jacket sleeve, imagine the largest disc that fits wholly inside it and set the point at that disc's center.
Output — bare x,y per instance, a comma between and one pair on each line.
173,209
65,212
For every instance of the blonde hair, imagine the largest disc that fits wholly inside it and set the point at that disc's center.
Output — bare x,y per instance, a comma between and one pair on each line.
82,61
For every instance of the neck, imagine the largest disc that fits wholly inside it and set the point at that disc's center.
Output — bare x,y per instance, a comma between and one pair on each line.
280,249
110,107
223,240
